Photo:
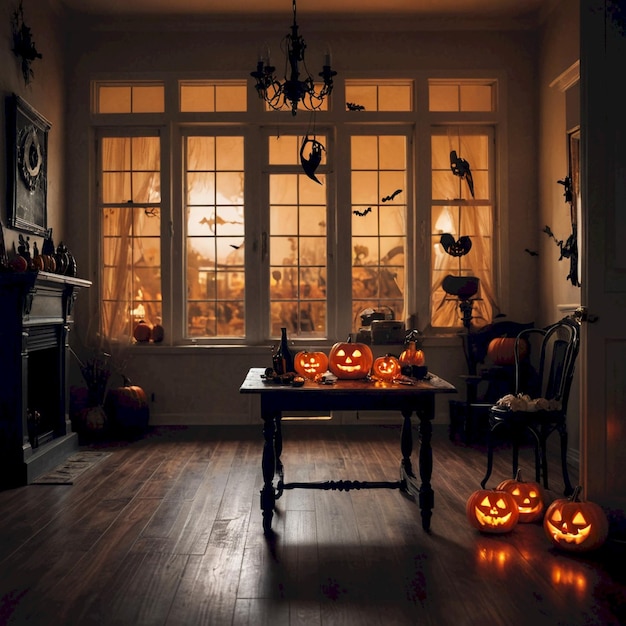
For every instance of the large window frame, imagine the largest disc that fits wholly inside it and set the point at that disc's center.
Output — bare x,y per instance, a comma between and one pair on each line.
255,125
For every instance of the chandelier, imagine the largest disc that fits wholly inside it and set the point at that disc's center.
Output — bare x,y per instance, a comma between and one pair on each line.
292,90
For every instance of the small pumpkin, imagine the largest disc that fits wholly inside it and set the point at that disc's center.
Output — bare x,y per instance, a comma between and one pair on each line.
412,356
142,331
386,367
492,511
350,360
310,364
158,332
529,497
127,408
574,525
501,350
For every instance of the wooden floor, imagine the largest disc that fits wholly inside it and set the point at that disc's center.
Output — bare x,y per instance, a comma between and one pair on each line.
167,530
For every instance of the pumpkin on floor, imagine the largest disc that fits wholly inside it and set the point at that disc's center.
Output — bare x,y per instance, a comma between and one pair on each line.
492,511
529,497
127,409
574,525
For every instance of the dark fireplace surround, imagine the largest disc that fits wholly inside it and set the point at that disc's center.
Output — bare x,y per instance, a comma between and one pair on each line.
35,321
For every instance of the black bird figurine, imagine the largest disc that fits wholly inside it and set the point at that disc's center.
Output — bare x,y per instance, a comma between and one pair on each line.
456,248
461,168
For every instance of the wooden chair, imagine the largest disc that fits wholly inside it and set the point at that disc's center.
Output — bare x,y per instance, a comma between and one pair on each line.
485,381
544,373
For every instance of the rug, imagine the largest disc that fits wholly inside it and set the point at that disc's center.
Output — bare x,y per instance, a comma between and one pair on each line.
71,468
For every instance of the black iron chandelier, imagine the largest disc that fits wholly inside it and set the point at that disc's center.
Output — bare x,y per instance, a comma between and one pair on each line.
292,90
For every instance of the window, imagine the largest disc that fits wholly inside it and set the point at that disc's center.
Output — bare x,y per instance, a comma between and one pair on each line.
379,206
462,206
210,220
130,209
214,213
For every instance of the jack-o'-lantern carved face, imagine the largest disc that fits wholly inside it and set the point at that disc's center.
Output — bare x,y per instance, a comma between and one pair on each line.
350,360
492,511
575,526
310,364
528,497
386,367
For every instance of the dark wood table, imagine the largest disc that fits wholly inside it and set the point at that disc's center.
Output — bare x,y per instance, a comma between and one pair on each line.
348,395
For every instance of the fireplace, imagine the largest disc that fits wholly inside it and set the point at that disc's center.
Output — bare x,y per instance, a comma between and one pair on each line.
35,322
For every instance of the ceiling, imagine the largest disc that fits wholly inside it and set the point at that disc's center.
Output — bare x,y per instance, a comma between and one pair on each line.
527,10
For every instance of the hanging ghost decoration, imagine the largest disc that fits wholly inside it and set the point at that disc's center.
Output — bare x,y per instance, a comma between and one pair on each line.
315,157
461,168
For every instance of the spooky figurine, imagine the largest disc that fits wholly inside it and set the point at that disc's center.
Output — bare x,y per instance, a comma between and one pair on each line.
461,168
315,158
456,248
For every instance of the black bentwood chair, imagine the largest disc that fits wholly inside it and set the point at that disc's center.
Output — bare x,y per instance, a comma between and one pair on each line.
543,373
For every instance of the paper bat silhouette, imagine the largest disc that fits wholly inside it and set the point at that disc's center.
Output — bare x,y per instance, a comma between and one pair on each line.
351,106
392,196
461,168
362,213
456,248
216,220
315,158
531,252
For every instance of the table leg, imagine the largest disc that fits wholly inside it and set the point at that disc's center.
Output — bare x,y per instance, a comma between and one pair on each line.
268,466
426,493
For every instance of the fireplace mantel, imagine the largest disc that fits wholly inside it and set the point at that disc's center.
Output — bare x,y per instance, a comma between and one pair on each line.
35,321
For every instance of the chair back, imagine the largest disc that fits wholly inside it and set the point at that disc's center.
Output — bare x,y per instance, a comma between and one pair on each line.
546,368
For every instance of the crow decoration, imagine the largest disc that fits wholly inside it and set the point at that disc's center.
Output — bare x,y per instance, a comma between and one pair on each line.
456,248
315,158
461,168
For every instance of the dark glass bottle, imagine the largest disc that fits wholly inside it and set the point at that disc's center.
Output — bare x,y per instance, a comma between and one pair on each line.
282,359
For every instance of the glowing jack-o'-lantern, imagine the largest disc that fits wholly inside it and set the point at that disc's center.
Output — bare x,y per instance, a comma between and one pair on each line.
350,360
310,364
412,356
528,496
575,526
386,367
492,511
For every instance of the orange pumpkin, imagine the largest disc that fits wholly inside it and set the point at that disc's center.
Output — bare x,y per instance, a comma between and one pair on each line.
492,511
412,356
142,331
127,408
501,350
350,360
528,496
386,367
310,364
575,526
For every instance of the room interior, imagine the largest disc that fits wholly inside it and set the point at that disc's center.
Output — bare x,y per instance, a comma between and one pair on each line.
554,61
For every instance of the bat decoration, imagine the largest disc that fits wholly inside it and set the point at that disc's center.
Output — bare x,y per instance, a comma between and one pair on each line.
567,183
456,248
461,168
216,219
392,196
351,106
232,245
315,158
531,252
569,250
362,213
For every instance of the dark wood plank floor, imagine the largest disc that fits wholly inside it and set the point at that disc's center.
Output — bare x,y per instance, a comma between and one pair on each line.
167,530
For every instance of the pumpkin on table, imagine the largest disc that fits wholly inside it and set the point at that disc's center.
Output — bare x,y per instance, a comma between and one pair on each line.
574,525
350,360
492,511
310,364
529,497
386,367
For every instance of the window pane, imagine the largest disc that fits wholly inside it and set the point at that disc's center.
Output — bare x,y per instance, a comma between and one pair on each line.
148,99
114,99
476,98
231,98
215,236
443,98
394,98
379,96
379,226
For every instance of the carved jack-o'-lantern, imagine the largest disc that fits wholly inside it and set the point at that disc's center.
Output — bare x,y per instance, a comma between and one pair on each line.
492,511
310,364
575,526
528,496
386,367
350,360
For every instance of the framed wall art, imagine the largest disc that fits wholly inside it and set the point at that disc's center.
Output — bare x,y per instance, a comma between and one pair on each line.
27,159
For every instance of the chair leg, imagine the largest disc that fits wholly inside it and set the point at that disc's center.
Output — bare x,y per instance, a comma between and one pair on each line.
490,438
568,485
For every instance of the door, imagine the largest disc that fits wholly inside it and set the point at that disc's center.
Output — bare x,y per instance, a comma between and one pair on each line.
603,188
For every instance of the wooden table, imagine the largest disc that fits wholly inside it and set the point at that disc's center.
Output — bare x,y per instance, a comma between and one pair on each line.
348,395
